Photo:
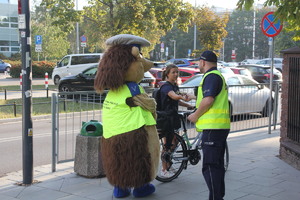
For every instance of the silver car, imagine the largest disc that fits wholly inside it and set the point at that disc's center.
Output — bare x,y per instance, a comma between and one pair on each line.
245,95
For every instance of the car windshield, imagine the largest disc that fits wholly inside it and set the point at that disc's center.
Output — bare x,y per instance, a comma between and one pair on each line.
245,72
192,82
91,71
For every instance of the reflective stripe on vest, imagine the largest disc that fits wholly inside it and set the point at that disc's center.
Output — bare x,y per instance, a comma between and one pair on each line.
217,117
118,117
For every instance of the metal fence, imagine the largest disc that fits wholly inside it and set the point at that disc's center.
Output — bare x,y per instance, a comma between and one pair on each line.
69,110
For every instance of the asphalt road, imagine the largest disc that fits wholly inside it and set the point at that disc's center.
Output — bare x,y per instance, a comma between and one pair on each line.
7,80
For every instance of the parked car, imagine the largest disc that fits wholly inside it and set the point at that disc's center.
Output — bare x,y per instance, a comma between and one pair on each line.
73,64
262,73
241,71
181,62
248,61
157,73
185,73
159,65
245,95
4,66
85,81
267,62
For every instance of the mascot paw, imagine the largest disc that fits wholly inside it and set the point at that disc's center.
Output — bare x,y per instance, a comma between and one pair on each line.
143,191
119,193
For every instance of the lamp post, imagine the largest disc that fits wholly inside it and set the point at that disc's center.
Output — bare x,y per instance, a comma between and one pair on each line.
77,31
174,47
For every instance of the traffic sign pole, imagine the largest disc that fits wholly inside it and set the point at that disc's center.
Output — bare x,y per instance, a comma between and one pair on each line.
27,147
271,27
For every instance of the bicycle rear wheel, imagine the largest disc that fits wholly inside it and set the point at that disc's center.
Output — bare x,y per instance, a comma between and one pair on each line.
178,158
226,157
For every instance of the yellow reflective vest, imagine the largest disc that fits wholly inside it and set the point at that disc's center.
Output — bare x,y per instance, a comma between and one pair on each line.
217,117
118,117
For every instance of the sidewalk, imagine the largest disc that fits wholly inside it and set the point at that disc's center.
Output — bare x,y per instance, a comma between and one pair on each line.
255,173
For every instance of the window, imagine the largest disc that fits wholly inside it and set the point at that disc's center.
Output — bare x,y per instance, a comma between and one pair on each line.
4,43
4,24
233,81
14,19
77,60
64,62
4,19
91,72
14,43
15,49
184,74
4,48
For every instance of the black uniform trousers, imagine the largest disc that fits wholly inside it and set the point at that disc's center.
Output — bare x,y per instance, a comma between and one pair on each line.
213,147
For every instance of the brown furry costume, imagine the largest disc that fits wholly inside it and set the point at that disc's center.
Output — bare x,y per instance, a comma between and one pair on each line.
130,159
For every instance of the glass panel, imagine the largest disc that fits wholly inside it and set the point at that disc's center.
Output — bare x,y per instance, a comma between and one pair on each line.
77,60
4,24
4,49
4,43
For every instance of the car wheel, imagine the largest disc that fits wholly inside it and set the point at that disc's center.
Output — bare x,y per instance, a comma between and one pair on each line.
265,111
65,88
56,80
7,69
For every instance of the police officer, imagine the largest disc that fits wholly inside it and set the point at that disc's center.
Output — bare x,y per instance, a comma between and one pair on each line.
212,116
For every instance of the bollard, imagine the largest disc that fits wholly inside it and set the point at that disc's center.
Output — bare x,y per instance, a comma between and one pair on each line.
5,94
15,109
21,81
46,80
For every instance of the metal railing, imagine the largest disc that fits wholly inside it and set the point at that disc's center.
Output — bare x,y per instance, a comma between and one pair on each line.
70,109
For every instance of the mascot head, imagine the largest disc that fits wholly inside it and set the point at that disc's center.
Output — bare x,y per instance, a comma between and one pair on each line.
122,62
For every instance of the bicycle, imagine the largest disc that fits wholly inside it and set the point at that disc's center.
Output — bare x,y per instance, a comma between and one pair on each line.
186,150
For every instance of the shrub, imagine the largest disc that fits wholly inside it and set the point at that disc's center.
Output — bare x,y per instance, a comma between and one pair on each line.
38,68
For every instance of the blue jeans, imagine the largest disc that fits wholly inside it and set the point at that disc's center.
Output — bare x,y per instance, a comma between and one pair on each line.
213,147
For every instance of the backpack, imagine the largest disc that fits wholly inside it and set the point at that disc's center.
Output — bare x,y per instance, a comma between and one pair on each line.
167,121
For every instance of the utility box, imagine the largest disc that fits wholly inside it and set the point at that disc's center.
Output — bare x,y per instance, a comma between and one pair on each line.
88,160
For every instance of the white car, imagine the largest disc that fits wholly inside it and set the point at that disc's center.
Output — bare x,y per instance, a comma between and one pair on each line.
245,95
267,62
248,61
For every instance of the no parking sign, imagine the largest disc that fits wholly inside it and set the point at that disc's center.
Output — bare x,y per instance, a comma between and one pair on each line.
268,25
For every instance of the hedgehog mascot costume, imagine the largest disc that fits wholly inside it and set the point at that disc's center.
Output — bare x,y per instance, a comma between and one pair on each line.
130,144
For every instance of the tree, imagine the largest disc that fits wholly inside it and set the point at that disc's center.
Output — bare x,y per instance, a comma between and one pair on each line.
147,18
63,14
288,11
211,28
55,44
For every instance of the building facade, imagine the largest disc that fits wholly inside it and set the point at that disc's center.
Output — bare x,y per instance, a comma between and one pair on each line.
9,33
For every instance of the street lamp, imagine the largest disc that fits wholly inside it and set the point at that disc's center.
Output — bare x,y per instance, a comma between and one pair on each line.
174,47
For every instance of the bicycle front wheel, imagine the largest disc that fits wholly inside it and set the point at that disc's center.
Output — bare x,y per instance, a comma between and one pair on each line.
176,160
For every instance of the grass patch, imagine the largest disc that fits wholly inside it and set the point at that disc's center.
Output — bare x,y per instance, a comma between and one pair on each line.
42,106
34,87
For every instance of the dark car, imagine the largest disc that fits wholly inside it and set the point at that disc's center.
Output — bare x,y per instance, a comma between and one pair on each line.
181,62
161,65
85,81
4,66
262,73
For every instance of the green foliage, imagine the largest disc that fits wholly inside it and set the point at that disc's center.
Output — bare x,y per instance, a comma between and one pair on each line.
63,13
38,69
210,28
148,19
55,44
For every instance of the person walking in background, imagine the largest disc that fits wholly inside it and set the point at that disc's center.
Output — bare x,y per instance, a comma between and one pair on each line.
212,117
167,105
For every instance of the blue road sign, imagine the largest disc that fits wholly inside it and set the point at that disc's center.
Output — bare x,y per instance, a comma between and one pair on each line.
270,26
38,39
83,38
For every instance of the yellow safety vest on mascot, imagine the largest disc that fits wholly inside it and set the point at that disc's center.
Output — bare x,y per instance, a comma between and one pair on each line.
119,118
217,117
